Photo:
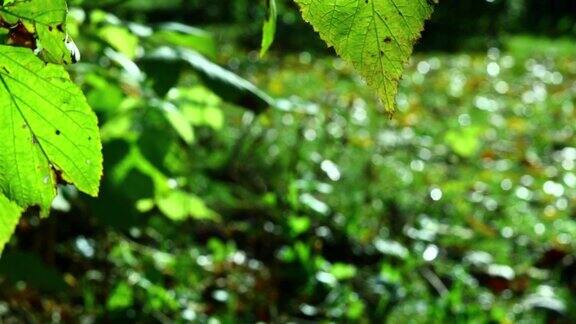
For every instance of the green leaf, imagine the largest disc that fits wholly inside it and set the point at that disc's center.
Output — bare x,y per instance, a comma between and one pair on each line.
9,216
269,28
376,36
44,20
47,131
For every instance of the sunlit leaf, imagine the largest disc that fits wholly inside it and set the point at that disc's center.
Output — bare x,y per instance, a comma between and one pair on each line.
48,133
376,36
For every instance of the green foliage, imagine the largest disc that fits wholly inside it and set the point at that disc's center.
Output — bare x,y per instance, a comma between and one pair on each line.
376,36
247,189
55,135
323,210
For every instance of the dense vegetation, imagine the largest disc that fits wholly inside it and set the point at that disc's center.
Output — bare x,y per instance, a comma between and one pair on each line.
239,188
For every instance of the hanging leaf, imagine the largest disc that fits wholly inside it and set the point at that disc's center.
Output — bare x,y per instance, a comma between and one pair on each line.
269,28
376,36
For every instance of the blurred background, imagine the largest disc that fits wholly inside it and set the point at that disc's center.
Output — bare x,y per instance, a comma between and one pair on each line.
216,207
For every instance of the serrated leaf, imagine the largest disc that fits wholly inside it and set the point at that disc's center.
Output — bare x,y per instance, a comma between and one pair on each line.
9,216
45,21
47,131
376,36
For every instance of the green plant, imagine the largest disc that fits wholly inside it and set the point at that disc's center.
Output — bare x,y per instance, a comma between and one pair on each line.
50,135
